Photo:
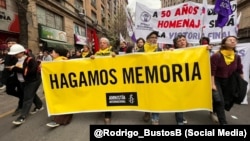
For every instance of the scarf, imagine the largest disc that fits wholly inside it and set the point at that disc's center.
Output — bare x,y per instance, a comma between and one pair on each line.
103,52
150,47
228,56
84,54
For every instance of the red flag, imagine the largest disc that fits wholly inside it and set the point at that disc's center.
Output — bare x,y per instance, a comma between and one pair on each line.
95,41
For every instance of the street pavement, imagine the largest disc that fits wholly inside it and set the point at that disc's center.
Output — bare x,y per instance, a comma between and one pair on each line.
35,129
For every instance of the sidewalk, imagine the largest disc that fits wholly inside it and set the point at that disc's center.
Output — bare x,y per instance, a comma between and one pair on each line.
8,103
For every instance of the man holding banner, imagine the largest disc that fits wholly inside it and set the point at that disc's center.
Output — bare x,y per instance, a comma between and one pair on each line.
151,46
105,50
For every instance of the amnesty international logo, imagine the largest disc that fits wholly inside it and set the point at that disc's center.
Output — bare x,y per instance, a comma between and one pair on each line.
122,99
145,16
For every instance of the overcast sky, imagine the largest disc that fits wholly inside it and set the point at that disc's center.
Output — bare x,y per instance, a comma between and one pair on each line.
153,4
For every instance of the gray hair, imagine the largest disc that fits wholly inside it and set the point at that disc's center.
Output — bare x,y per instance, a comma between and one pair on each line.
105,39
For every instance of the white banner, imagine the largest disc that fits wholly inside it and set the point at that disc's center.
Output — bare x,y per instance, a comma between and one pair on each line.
243,50
185,18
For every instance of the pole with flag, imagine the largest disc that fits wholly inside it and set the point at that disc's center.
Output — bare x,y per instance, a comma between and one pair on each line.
238,24
203,14
224,10
130,25
121,38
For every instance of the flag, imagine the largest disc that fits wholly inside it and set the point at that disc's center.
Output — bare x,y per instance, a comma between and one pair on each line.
224,10
130,25
121,38
95,41
133,37
203,14
204,7
238,23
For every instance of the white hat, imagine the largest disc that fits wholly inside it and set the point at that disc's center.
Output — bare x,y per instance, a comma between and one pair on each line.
15,49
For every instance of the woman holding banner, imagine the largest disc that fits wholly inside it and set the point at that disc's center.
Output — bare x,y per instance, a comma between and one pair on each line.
59,53
180,41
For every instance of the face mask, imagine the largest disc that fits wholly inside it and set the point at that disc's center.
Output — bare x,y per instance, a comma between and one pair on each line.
204,42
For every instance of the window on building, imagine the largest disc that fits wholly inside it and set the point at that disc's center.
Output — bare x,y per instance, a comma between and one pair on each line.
102,9
110,6
93,16
49,19
109,17
79,30
62,2
93,3
3,4
103,22
78,5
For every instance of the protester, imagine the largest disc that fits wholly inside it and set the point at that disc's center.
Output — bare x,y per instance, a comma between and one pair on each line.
86,52
123,46
28,79
78,54
223,64
140,45
105,50
3,54
180,41
206,41
46,56
59,53
151,46
10,80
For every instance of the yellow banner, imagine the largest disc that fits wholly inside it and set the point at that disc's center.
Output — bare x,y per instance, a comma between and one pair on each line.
167,81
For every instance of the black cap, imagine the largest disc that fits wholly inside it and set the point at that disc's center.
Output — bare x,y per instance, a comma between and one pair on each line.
151,33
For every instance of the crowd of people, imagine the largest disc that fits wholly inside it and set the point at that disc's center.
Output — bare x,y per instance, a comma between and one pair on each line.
21,79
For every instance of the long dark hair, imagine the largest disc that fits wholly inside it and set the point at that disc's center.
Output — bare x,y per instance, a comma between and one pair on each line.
223,42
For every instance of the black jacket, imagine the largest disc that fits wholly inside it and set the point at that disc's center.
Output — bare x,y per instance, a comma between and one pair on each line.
9,60
29,69
237,89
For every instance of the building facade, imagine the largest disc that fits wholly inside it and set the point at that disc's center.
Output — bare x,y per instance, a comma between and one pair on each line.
69,23
243,7
244,26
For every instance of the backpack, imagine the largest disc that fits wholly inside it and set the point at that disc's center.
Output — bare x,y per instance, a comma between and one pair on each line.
38,65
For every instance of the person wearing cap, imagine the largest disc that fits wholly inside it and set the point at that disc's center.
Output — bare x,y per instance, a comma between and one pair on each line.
29,81
9,79
151,46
